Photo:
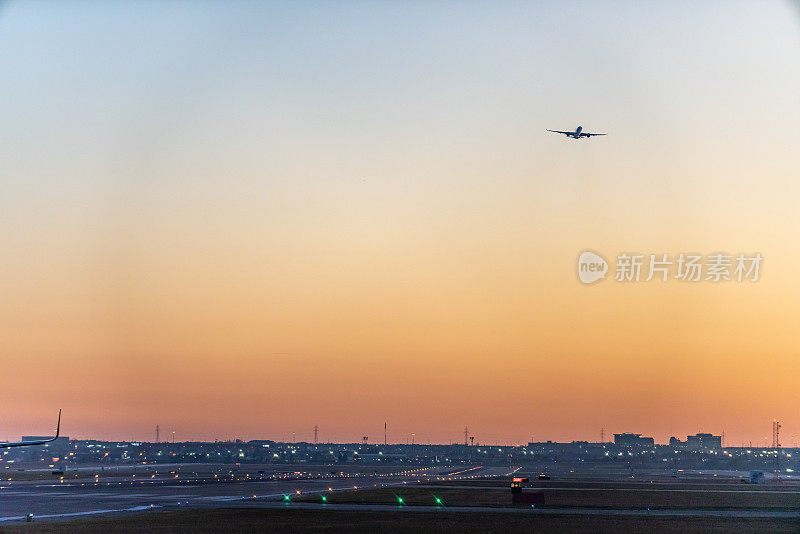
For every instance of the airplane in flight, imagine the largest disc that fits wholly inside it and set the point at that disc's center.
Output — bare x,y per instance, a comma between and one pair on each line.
34,442
577,134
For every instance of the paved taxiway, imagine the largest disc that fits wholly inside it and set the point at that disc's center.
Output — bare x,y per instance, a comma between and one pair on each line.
53,500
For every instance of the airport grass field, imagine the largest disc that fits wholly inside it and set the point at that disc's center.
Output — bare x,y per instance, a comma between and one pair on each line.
240,520
576,495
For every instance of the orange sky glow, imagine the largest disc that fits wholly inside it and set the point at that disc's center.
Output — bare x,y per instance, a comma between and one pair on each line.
248,236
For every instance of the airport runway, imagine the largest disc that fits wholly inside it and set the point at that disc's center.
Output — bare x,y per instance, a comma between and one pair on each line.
53,500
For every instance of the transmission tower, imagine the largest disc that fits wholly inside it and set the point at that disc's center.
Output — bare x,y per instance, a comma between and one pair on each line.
466,435
157,434
776,444
316,434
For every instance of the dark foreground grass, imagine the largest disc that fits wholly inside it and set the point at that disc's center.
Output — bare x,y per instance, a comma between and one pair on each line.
241,520
628,499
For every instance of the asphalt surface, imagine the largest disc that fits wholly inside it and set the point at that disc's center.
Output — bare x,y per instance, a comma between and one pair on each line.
53,499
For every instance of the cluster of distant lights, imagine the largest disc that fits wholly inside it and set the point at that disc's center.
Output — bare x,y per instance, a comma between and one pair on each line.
458,475
438,501
292,449
230,476
288,497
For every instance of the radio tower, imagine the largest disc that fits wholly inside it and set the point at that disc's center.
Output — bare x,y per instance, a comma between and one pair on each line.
384,434
466,435
316,433
776,444
602,435
776,428
157,431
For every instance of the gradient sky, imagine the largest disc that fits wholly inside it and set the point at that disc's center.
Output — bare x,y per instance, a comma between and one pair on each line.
247,219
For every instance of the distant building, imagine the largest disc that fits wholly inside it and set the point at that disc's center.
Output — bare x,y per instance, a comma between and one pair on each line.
627,439
703,442
61,442
698,442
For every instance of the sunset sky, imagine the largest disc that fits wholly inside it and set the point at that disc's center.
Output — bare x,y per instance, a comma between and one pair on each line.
241,220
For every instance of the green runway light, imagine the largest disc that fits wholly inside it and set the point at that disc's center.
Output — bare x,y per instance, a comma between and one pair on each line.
324,498
400,500
287,498
438,500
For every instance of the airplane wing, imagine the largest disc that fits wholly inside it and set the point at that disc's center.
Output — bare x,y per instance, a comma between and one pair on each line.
36,442
590,134
565,133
